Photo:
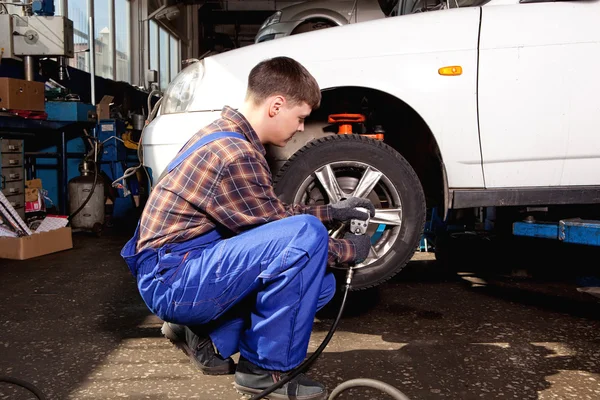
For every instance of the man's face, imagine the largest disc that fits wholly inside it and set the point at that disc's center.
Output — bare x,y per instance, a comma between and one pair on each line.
287,121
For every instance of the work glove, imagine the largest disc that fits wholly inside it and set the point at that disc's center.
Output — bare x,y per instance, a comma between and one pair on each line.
362,243
345,209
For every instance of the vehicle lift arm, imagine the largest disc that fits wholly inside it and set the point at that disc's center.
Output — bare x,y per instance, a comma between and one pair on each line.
574,230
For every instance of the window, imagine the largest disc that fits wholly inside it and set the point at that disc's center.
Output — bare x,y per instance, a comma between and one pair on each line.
175,57
123,53
163,48
113,58
57,8
165,54
79,15
102,43
153,33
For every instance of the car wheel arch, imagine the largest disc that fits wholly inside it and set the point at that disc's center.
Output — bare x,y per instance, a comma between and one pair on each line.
399,118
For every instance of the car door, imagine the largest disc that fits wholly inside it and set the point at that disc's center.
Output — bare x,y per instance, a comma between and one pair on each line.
539,94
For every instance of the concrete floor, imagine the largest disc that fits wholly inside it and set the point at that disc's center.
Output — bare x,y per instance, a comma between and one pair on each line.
73,324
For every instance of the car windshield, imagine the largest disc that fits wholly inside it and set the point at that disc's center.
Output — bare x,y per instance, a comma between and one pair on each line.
393,8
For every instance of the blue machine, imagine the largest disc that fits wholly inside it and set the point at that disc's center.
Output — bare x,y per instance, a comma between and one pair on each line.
69,111
574,230
113,162
43,7
109,134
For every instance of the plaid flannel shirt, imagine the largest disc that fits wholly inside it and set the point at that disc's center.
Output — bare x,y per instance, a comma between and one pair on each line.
228,183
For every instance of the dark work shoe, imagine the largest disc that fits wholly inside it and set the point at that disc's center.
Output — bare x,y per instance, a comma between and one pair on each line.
200,349
251,379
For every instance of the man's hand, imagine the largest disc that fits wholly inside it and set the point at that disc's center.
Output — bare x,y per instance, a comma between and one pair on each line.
362,243
346,209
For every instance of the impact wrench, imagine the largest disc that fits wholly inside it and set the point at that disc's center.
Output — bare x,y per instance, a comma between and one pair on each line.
358,227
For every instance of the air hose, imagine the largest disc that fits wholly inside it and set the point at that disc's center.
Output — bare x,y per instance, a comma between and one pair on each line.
372,383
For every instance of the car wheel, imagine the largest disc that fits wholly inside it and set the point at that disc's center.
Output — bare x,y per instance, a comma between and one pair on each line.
328,169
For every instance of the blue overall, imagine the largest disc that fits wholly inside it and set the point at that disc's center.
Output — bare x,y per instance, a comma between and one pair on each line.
277,269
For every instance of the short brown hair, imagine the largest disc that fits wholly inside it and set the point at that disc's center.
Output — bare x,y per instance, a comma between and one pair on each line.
283,76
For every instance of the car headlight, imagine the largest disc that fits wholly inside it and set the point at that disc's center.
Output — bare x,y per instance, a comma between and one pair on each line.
273,19
181,90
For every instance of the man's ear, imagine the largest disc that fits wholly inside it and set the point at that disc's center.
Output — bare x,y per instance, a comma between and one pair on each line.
275,105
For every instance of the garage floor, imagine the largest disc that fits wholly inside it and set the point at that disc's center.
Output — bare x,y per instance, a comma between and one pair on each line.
73,324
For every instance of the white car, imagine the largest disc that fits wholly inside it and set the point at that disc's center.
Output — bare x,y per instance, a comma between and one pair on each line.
493,105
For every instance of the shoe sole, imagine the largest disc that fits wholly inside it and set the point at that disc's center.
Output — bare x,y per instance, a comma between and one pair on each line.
182,345
246,391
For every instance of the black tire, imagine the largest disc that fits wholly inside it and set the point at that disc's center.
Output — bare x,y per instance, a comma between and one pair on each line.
398,172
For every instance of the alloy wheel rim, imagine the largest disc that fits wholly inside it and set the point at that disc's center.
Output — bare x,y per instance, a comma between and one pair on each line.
333,182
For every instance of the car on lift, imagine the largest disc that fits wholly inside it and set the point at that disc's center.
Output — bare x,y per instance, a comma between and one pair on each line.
489,105
310,16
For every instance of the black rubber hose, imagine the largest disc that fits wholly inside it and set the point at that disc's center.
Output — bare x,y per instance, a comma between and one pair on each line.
24,384
372,383
307,363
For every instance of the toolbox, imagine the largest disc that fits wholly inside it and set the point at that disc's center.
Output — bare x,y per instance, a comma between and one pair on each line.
12,173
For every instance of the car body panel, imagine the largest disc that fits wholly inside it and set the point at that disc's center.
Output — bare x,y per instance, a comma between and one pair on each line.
538,94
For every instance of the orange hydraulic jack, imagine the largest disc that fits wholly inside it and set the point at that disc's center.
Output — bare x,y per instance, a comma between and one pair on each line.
345,122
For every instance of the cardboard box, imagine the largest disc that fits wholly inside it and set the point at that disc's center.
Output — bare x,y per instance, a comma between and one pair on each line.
36,245
34,201
34,183
31,194
103,108
35,205
19,94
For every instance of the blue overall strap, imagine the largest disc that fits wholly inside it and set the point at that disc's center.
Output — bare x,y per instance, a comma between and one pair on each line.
211,137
